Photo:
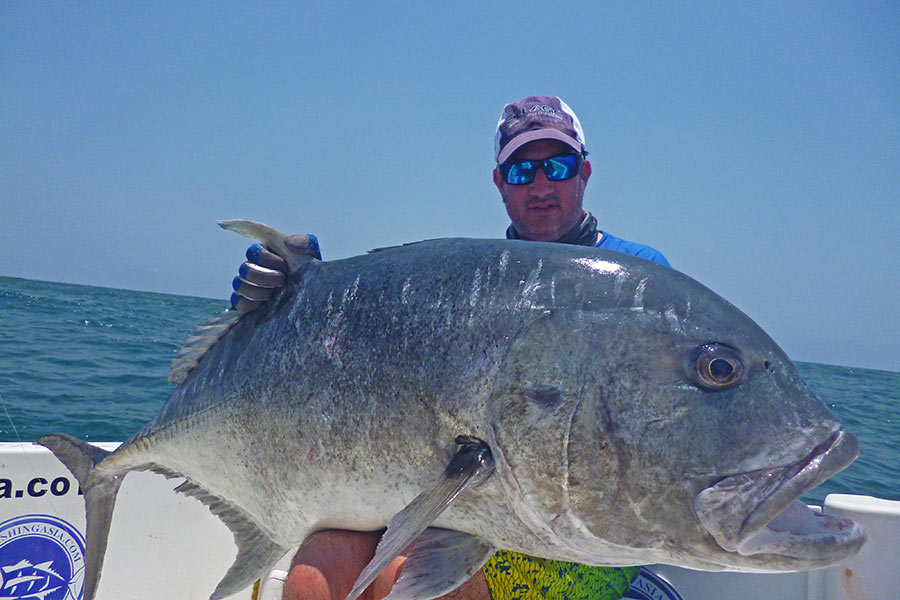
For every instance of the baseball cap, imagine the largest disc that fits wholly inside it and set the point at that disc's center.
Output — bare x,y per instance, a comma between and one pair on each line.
536,118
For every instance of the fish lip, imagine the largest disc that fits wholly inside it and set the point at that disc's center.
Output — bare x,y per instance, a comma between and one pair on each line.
829,457
737,510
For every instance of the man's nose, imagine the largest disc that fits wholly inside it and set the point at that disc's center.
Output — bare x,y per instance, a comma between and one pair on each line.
541,183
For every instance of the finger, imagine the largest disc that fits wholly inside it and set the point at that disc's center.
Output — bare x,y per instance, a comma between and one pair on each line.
243,304
305,582
251,291
261,276
256,254
382,585
303,244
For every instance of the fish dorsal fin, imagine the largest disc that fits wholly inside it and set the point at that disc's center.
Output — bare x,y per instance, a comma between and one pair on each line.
199,342
403,245
206,336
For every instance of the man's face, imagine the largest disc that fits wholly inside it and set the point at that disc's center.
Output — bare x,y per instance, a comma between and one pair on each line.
544,210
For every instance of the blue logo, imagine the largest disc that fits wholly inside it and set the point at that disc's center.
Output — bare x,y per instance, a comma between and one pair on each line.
41,558
650,586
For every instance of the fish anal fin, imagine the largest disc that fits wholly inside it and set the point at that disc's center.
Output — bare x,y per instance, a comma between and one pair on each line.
255,558
440,561
471,462
257,552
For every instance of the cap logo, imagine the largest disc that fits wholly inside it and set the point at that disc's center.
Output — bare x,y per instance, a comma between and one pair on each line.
542,108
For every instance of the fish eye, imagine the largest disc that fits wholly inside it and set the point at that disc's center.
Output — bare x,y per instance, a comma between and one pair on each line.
717,366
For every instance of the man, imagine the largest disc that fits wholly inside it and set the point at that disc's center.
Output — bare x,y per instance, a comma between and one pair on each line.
541,174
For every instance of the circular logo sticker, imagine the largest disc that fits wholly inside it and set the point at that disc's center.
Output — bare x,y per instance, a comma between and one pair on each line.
650,586
41,558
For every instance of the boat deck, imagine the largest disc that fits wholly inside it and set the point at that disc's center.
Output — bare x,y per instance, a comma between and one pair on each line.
166,545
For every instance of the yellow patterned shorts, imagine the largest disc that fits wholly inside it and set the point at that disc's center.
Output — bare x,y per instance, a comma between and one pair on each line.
514,576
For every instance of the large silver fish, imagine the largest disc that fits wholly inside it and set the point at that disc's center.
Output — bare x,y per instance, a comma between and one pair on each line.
560,401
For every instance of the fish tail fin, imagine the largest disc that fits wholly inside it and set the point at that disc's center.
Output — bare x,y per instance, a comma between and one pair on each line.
273,239
100,490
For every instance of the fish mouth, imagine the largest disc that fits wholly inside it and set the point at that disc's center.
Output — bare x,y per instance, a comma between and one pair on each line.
759,512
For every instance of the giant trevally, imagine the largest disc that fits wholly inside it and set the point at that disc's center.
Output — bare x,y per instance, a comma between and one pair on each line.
473,395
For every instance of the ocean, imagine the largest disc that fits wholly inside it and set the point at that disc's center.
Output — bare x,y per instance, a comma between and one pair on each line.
92,362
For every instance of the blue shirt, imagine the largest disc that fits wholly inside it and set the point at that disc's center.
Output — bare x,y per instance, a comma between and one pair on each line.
611,242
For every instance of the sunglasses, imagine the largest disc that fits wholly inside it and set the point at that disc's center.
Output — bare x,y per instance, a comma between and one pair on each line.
556,168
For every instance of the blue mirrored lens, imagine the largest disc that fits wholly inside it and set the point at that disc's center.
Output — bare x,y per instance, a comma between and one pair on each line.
520,173
562,167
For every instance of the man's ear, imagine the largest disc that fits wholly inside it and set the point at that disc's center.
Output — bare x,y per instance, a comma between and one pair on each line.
585,171
498,181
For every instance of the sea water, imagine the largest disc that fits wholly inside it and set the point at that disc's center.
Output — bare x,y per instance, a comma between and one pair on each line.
92,362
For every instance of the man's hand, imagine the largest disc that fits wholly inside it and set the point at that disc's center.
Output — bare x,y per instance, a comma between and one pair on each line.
264,272
327,564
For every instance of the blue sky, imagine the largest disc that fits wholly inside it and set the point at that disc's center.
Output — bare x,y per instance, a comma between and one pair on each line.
757,145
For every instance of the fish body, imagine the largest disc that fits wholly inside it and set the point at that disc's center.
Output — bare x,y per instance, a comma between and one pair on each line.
629,415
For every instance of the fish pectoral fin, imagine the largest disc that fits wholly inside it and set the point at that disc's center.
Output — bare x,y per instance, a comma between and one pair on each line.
441,561
472,461
257,553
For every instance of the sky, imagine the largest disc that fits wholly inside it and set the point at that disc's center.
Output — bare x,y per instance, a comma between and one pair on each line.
756,144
